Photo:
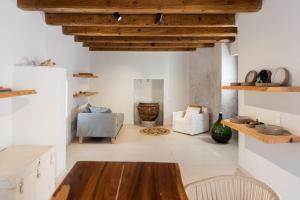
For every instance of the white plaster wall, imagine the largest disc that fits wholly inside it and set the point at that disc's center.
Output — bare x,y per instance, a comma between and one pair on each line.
205,79
143,90
25,34
229,75
117,71
270,39
74,58
40,119
179,92
12,49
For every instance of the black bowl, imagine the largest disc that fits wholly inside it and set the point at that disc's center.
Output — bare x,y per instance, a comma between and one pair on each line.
264,76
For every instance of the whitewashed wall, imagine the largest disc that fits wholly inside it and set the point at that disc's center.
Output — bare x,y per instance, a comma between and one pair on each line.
17,40
270,39
25,34
117,71
189,78
74,58
40,119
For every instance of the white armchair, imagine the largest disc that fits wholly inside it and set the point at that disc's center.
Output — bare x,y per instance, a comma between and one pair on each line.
193,121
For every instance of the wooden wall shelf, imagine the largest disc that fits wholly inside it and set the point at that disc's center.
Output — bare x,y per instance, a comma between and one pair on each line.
269,139
17,93
84,76
263,89
85,94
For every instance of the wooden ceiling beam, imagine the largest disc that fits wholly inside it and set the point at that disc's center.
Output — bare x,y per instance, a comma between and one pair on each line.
168,20
137,39
141,49
154,31
145,45
141,6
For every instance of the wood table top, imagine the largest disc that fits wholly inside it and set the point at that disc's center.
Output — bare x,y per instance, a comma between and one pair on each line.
122,181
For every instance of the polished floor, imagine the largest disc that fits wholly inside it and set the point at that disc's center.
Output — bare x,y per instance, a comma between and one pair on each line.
199,156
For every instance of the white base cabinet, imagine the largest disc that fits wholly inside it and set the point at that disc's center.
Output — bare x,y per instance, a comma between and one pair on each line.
27,173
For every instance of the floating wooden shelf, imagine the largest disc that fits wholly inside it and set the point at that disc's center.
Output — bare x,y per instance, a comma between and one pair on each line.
263,89
85,94
269,139
84,76
16,93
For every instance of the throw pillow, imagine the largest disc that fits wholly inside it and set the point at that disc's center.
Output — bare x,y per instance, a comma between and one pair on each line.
197,106
191,111
84,108
94,109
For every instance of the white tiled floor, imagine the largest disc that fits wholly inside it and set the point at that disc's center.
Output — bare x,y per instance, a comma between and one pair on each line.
198,156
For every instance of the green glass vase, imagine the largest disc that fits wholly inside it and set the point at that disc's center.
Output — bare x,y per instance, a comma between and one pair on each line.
219,132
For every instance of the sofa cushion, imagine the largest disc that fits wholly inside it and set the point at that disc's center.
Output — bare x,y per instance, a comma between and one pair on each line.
94,109
84,108
191,111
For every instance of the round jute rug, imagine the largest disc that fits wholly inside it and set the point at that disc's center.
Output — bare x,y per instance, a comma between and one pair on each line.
155,131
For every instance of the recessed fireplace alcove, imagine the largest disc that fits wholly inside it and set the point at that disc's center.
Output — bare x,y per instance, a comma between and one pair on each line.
149,91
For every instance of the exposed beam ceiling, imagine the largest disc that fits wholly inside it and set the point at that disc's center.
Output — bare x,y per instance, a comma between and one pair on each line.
155,31
144,25
142,6
145,45
140,39
141,49
171,20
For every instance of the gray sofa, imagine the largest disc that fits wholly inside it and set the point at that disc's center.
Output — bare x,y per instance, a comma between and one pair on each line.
90,124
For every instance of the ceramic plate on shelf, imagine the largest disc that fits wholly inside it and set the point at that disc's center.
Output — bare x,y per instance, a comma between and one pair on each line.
251,77
240,119
253,124
264,76
271,130
235,84
267,84
280,76
247,84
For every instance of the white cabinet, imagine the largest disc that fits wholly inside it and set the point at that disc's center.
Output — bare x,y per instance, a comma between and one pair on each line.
27,173
45,174
26,185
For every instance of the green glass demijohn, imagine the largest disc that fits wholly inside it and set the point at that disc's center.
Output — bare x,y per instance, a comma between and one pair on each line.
219,132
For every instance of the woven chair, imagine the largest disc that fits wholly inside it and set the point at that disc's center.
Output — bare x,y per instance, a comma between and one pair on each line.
230,188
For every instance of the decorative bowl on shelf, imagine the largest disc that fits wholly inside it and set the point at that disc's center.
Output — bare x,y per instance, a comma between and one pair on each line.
247,84
251,77
235,84
280,76
252,124
267,84
264,76
240,119
271,130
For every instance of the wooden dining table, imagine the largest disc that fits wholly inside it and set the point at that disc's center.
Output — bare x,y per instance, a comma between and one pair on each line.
122,181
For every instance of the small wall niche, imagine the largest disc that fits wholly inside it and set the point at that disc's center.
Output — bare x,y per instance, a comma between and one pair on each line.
149,91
